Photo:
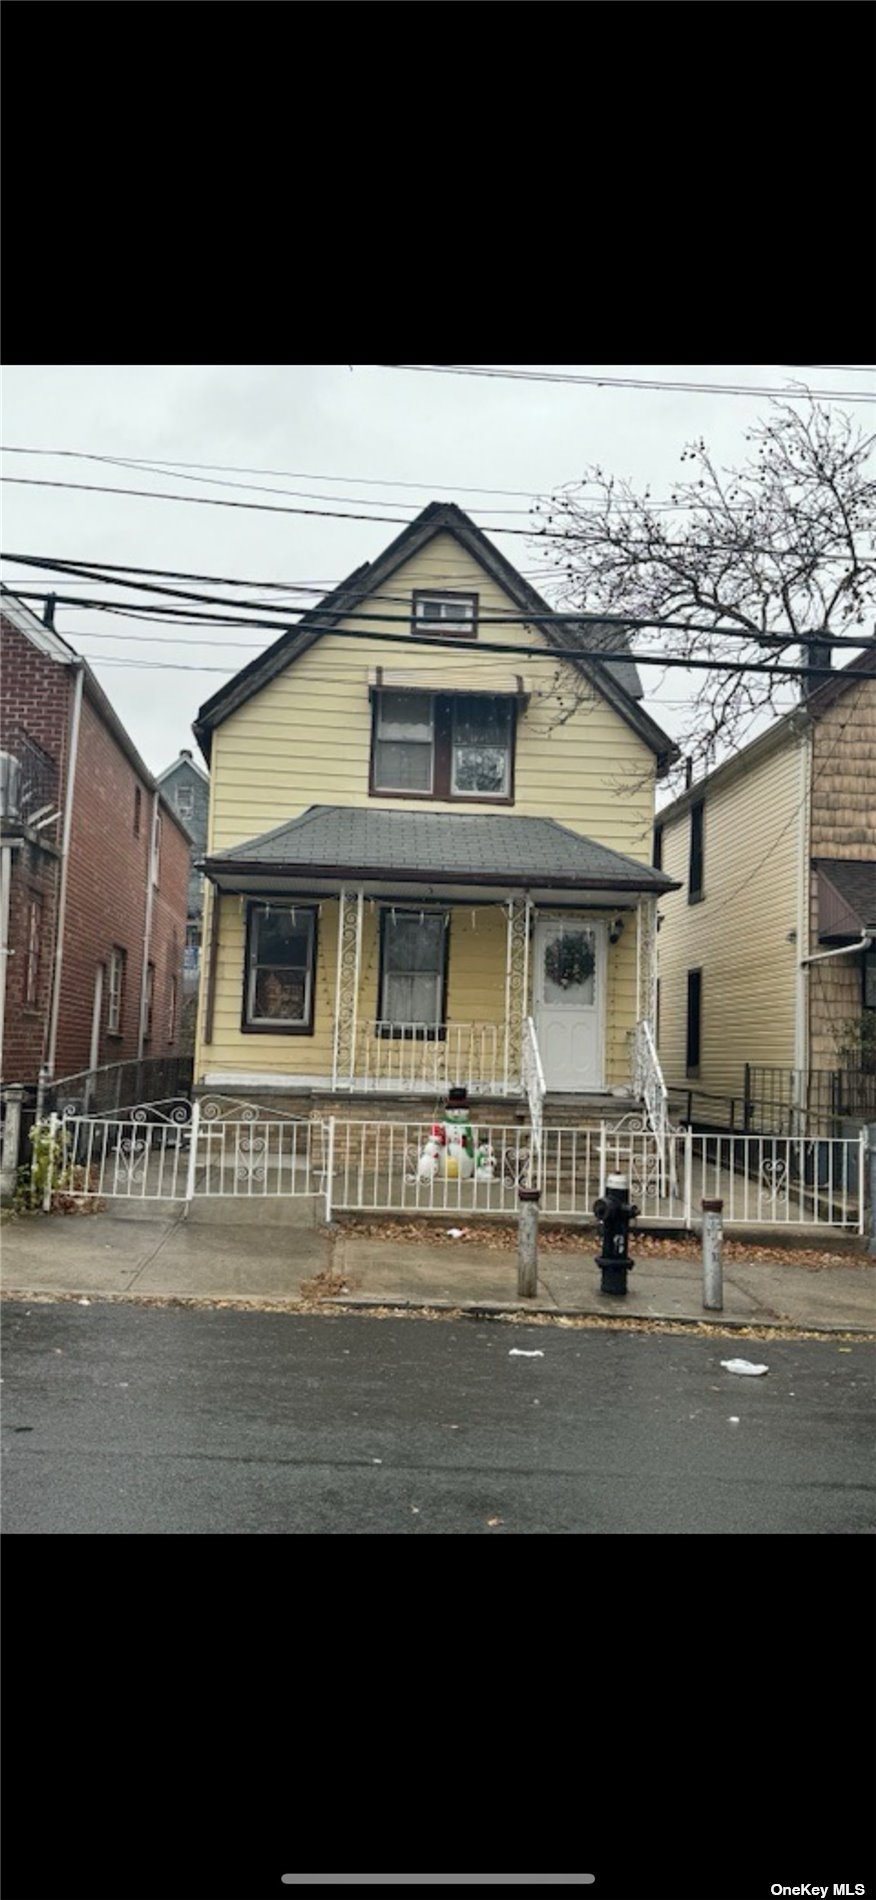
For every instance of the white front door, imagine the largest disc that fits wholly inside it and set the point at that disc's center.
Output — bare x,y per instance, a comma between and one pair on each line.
568,990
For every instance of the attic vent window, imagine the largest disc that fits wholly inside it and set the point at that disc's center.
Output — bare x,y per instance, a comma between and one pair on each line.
454,614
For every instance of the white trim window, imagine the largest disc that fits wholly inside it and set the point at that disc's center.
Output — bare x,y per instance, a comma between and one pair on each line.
481,746
115,996
439,613
185,800
171,1010
404,750
281,942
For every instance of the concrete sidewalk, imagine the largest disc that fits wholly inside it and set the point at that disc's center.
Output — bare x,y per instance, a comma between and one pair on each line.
171,1257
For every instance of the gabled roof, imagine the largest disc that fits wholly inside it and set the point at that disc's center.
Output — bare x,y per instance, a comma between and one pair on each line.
617,681
185,762
440,846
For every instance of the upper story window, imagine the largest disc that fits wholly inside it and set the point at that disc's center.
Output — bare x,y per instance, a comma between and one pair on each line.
455,614
695,866
481,746
404,742
443,745
138,805
185,800
657,853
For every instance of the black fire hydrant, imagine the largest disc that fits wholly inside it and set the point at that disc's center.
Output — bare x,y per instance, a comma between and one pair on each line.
615,1212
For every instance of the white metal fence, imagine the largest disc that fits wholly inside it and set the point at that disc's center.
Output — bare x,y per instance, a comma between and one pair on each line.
221,1148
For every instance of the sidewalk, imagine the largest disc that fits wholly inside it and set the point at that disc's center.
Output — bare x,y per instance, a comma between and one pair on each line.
171,1258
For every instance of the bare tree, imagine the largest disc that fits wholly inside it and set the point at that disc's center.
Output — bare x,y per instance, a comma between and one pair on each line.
756,563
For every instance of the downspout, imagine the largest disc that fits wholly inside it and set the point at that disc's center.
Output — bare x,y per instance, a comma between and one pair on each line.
865,942
5,891
48,1069
147,926
801,988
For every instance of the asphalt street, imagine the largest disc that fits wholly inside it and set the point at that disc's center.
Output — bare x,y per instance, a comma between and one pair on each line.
122,1420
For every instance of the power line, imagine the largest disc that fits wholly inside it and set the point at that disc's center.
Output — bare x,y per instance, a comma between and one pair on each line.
445,643
330,613
166,466
630,382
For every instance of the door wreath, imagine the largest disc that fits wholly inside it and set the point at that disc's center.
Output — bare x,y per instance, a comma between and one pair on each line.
569,961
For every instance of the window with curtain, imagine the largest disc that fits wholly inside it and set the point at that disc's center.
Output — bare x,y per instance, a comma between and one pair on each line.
413,966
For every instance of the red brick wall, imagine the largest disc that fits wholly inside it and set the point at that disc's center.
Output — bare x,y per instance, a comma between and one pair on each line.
35,695
106,904
35,701
26,1023
106,887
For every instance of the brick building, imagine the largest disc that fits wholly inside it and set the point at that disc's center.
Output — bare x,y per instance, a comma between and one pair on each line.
94,866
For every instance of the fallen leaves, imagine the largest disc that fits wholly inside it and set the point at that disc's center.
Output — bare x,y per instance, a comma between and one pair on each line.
502,1237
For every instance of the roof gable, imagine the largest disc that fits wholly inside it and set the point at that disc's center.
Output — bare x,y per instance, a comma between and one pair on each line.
617,682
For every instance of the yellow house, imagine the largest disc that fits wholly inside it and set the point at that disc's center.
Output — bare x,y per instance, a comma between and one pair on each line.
768,939
429,843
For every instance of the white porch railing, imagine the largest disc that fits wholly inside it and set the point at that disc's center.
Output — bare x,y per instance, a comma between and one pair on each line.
429,1058
534,1084
649,1086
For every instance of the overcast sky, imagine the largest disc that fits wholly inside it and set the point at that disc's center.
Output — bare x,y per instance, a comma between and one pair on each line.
349,439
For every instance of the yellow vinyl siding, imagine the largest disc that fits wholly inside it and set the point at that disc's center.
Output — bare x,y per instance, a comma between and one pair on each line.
305,739
738,934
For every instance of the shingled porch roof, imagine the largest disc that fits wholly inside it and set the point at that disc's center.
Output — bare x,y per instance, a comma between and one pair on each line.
345,842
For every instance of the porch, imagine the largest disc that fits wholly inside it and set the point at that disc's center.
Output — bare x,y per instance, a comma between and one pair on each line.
531,976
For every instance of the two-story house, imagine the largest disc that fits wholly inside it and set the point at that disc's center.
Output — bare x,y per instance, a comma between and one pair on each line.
767,998
429,842
93,870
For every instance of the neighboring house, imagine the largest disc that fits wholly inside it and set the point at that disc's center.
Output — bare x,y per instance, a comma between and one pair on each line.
767,954
93,870
413,851
187,788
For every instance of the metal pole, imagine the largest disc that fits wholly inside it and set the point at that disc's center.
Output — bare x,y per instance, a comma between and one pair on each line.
871,1149
193,1152
329,1169
527,1242
713,1276
47,1191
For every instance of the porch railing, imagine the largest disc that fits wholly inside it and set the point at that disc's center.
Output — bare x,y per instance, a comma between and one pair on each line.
650,1087
427,1058
534,1084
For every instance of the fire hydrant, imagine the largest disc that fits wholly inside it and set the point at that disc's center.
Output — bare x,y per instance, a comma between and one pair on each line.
615,1213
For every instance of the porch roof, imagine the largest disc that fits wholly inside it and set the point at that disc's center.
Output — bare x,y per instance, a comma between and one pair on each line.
846,896
347,841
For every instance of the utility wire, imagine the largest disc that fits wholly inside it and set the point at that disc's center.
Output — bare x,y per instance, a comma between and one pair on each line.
630,382
444,643
557,617
146,463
